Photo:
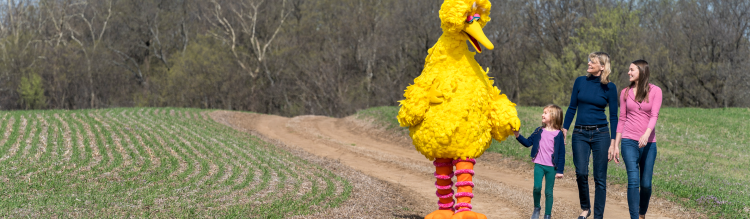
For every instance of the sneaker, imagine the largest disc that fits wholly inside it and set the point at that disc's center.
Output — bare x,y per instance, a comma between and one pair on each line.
535,215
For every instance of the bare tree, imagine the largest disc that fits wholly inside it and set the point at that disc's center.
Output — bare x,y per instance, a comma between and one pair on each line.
95,33
246,14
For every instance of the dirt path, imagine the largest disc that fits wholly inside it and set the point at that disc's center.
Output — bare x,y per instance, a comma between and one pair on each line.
501,191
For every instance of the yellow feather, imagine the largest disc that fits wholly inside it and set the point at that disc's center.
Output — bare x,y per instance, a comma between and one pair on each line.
452,110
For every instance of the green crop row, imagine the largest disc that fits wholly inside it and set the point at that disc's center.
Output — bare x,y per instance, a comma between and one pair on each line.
151,162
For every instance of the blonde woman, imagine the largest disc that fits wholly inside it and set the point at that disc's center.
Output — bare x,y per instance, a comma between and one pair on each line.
593,135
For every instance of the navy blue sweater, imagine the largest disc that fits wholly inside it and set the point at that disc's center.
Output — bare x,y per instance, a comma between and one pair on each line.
558,155
590,98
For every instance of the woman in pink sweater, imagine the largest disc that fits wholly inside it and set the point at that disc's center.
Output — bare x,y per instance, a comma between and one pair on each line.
639,107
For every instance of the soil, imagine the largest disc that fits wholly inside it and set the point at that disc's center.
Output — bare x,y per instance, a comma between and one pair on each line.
392,180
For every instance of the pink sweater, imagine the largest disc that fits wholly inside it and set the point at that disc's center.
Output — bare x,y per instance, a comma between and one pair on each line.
636,117
546,148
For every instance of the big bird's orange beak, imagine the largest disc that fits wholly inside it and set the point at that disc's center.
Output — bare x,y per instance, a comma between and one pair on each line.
476,36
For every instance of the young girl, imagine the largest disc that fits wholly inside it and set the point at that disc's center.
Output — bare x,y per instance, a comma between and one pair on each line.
548,154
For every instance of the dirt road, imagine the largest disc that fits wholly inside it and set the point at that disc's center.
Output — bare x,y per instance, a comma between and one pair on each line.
503,190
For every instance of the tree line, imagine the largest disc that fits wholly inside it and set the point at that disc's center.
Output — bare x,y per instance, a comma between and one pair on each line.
334,57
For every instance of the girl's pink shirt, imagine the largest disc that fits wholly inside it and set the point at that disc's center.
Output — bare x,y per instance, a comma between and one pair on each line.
546,148
636,117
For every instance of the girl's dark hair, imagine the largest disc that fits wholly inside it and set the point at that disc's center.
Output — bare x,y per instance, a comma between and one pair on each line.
643,74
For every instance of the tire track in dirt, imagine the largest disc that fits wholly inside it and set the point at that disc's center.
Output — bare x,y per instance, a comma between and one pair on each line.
502,192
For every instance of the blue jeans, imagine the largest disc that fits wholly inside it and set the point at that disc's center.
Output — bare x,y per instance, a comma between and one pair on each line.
639,163
586,143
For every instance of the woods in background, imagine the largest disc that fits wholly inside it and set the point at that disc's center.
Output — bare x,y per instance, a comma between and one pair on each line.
333,57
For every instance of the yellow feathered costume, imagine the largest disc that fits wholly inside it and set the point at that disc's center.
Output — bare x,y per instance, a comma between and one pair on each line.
472,111
452,110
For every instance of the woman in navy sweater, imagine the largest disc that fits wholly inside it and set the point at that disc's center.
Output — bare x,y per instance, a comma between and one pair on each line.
590,97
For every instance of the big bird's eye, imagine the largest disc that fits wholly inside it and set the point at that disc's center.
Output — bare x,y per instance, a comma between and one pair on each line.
471,18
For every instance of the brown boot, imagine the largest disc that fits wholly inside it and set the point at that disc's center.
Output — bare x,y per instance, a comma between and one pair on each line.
641,216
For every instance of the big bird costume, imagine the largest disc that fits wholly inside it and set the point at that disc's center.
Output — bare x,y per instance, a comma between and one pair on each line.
452,110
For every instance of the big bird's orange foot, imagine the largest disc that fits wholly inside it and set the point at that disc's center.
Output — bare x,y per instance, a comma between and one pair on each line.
468,215
440,214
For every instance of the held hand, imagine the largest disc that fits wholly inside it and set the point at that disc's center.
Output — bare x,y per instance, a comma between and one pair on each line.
614,154
559,175
644,140
565,136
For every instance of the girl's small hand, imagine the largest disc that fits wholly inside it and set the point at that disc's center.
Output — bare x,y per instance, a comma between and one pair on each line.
516,133
644,140
559,175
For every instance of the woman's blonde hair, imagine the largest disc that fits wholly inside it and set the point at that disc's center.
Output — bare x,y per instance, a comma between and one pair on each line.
603,59
556,116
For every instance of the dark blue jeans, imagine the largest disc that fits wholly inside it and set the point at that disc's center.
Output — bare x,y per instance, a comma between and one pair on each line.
586,143
639,163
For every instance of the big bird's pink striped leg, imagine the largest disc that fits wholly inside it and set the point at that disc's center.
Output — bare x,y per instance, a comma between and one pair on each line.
444,184
465,186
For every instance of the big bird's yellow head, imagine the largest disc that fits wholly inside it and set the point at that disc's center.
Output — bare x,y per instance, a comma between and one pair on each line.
452,109
464,20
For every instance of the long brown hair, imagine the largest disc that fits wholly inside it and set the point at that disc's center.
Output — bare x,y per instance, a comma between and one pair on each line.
643,74
556,115
603,58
